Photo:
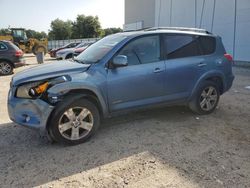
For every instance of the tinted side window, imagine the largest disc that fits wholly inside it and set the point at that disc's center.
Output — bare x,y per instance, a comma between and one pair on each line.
179,46
207,45
142,50
3,47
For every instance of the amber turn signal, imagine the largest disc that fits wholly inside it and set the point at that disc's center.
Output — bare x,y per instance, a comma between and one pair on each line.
39,89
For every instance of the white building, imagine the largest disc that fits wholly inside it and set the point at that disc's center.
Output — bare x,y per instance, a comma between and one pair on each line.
228,18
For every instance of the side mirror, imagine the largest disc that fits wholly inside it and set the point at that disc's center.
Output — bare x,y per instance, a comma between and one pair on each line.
120,61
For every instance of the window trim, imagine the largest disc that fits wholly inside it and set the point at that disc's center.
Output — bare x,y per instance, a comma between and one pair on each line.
161,58
6,47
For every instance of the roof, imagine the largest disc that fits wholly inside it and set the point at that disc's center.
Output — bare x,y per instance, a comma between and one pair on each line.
179,30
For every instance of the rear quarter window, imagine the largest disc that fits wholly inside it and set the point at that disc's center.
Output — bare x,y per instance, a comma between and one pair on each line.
3,47
208,44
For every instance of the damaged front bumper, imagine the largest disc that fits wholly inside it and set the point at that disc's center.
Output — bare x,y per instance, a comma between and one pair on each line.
28,112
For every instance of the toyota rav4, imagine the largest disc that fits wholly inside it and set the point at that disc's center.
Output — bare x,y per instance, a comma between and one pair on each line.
122,72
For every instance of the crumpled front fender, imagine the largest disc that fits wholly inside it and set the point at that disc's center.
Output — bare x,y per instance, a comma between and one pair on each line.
64,88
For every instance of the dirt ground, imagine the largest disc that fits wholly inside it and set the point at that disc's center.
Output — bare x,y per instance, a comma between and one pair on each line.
166,147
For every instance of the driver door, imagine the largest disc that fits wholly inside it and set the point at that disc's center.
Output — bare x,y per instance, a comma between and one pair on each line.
141,82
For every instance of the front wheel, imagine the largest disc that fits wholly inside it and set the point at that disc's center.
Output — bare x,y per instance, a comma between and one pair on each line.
74,122
205,99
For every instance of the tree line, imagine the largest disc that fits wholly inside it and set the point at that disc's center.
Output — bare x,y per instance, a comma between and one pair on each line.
82,27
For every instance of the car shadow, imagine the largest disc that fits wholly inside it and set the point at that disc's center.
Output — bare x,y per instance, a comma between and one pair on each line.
51,59
28,160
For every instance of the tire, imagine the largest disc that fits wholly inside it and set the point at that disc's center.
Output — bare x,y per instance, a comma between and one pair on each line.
205,99
74,122
69,56
6,68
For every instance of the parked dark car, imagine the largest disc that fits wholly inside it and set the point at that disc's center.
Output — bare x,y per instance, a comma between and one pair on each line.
52,52
10,57
120,73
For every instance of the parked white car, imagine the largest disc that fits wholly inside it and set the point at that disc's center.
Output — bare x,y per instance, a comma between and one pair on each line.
68,52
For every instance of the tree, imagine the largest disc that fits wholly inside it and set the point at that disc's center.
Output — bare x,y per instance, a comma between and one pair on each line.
35,34
113,30
60,29
86,27
5,31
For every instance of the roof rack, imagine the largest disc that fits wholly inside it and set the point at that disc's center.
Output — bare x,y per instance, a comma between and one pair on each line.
179,28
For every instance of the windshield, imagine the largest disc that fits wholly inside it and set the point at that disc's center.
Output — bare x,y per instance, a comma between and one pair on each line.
99,49
19,34
82,45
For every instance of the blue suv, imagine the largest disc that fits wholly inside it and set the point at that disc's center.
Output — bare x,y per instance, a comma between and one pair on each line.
122,72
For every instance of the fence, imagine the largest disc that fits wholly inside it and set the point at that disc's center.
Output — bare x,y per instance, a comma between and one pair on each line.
59,43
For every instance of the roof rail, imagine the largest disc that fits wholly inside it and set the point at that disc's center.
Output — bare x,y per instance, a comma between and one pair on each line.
179,28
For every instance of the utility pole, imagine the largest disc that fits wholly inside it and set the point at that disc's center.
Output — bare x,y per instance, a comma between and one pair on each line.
212,26
195,14
202,12
171,7
235,16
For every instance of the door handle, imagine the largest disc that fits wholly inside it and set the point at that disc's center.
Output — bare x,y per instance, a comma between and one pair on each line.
157,70
202,64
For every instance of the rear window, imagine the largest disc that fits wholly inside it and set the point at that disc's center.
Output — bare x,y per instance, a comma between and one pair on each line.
13,46
180,46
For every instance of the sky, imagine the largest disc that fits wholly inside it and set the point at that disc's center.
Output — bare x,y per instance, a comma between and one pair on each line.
38,14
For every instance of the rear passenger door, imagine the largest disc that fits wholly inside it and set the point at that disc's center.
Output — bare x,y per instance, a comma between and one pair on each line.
185,62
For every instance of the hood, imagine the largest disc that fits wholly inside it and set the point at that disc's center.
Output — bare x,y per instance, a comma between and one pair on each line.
50,70
80,49
65,50
56,49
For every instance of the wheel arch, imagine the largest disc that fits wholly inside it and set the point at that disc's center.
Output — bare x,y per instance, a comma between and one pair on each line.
7,60
83,91
87,94
216,77
4,59
69,55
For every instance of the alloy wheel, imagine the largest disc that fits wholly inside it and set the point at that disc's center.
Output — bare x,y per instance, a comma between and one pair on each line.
208,98
76,123
5,68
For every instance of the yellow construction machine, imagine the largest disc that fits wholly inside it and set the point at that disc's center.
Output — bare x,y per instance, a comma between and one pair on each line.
27,45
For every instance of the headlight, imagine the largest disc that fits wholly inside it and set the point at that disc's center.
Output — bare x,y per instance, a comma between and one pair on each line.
23,90
35,89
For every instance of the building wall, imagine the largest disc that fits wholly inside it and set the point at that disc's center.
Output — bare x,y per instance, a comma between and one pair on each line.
228,18
137,11
242,43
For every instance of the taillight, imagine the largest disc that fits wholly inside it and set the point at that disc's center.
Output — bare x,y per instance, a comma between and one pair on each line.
228,57
19,53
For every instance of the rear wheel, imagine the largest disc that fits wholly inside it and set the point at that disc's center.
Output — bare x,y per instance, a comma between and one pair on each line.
74,122
6,68
206,98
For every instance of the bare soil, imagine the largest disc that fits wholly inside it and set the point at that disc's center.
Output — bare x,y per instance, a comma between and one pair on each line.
166,147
